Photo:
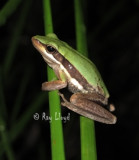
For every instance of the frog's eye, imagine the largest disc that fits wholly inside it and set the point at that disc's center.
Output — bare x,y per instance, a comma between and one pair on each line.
51,49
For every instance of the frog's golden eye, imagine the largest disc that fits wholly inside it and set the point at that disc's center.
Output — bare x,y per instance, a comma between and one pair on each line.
51,49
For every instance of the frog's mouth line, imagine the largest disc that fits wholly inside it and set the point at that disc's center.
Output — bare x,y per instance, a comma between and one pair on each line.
46,56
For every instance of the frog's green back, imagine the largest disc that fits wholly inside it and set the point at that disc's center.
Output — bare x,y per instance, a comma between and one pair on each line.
81,63
86,67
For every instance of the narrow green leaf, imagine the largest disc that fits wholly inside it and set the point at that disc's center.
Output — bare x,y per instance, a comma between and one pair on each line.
19,125
20,95
57,142
5,140
87,129
15,37
7,10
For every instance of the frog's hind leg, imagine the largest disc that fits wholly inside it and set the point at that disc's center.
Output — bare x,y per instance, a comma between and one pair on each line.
82,105
91,107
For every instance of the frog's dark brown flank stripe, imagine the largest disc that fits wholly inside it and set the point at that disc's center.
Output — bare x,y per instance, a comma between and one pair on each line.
71,69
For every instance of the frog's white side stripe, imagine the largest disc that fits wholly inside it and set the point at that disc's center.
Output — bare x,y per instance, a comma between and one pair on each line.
49,58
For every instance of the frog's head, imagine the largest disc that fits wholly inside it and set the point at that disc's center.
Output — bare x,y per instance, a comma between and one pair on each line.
50,47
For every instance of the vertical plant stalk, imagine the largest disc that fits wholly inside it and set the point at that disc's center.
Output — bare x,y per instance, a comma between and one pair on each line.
22,122
7,10
57,142
15,38
87,129
5,140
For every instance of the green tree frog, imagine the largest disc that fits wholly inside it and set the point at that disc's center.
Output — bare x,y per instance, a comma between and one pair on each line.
89,94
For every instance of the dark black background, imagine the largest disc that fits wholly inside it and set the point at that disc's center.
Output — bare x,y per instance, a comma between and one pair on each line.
113,45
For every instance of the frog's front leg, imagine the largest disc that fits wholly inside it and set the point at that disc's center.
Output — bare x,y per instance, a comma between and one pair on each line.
53,85
84,105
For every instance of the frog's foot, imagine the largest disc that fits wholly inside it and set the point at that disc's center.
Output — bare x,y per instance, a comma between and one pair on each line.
111,107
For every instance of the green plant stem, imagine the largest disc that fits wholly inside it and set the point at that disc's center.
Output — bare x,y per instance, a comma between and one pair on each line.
5,140
87,129
20,95
3,107
19,125
88,142
7,147
57,142
8,9
15,37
